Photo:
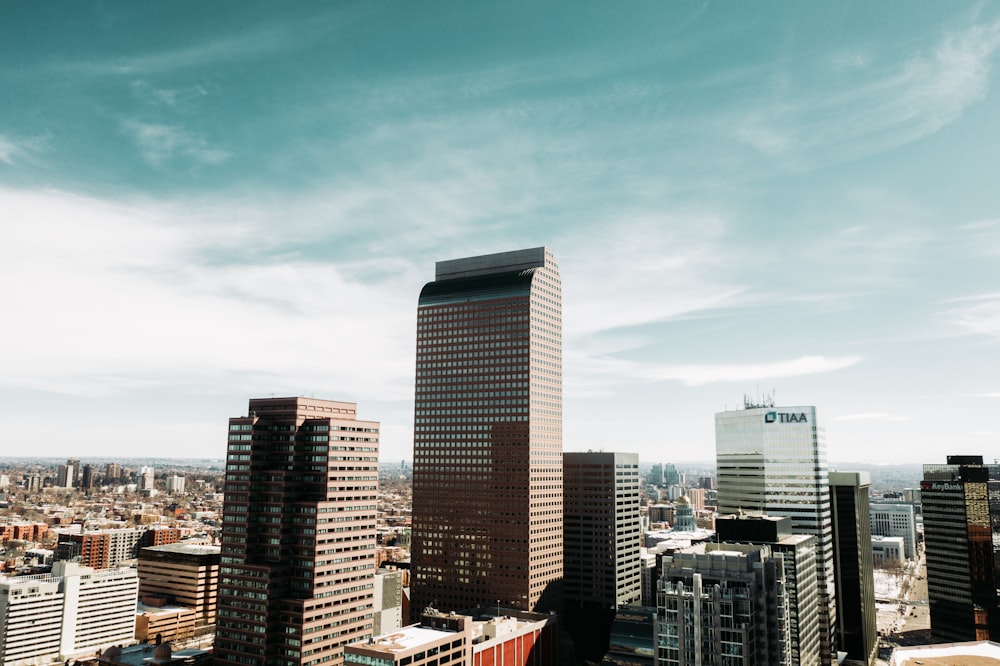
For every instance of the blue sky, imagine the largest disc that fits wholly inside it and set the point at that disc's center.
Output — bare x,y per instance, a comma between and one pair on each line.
202,203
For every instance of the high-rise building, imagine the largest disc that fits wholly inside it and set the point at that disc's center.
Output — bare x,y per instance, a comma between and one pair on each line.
112,473
64,476
298,533
853,566
175,484
87,477
772,460
961,508
671,476
723,604
601,523
72,612
487,458
601,545
147,478
798,552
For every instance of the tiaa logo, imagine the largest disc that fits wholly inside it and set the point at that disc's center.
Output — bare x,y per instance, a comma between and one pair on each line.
785,417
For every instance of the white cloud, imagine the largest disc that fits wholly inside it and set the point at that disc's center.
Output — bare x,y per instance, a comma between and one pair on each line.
161,143
13,150
871,416
114,296
892,107
980,318
595,375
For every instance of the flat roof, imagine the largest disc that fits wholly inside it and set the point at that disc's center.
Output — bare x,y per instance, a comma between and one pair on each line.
407,638
186,548
977,653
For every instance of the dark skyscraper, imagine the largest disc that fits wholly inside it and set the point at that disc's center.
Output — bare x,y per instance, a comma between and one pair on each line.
487,451
853,565
961,507
601,546
297,565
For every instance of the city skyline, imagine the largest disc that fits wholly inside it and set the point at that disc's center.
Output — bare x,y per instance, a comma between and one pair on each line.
202,204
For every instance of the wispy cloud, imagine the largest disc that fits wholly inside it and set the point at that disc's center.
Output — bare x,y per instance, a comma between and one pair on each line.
871,416
982,318
161,143
14,150
604,372
892,107
183,98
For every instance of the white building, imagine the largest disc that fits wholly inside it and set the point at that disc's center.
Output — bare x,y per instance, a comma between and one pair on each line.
772,460
892,520
175,484
146,478
887,550
72,612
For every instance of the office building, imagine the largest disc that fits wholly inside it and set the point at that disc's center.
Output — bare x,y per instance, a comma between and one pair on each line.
601,545
487,453
891,520
181,575
772,460
64,476
298,533
175,484
671,476
961,504
72,612
798,552
853,566
87,477
388,593
887,552
147,478
723,603
601,527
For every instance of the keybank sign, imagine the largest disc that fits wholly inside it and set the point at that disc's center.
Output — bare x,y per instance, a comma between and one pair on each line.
785,417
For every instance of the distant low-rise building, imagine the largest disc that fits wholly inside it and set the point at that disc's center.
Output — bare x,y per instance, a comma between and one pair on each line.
887,551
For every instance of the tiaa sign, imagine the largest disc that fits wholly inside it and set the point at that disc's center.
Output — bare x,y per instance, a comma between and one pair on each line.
785,417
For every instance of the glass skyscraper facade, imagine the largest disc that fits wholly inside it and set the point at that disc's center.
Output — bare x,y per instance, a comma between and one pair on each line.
772,460
487,458
960,502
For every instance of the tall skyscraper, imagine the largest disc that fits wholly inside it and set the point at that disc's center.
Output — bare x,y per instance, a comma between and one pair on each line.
961,508
601,546
487,451
298,533
772,460
854,566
